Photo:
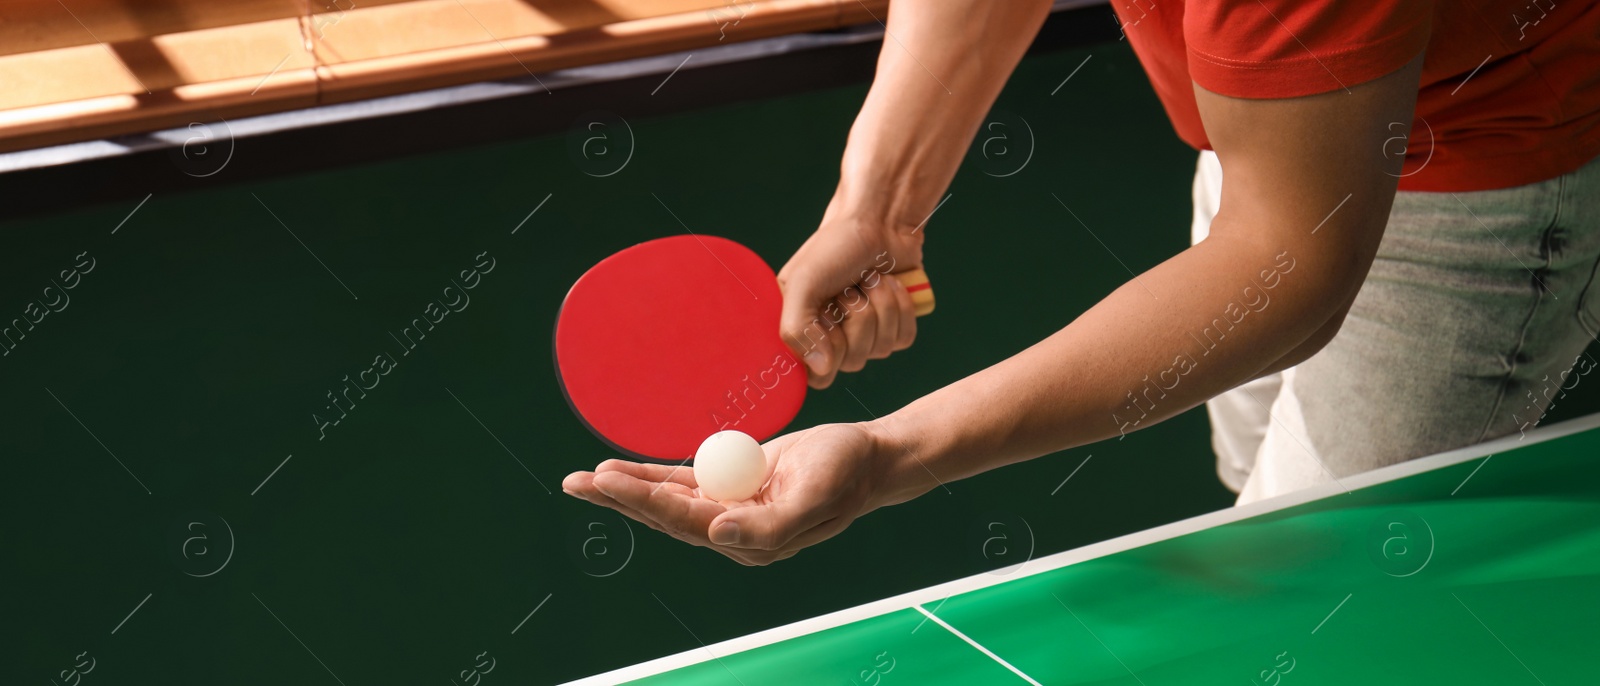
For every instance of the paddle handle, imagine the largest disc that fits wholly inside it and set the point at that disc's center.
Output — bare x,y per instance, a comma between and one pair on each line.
916,283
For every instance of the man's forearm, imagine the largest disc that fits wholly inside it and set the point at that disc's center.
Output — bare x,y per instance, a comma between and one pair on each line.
1206,320
1308,194
943,63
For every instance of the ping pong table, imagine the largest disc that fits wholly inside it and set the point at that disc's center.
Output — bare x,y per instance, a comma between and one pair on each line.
1476,566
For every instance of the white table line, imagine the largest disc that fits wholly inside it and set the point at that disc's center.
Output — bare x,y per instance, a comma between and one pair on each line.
980,648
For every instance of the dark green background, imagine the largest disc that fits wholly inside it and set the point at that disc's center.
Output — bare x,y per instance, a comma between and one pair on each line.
409,541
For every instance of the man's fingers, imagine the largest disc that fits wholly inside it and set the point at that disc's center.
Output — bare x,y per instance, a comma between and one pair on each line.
887,308
577,483
673,509
859,331
825,349
581,484
907,312
595,496
669,473
804,325
861,324
766,527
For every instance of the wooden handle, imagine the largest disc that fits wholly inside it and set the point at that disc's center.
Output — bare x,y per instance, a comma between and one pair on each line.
916,282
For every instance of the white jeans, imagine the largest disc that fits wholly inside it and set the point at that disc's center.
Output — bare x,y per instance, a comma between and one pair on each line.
1472,322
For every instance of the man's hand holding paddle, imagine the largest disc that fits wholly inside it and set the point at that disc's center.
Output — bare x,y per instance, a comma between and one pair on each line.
839,310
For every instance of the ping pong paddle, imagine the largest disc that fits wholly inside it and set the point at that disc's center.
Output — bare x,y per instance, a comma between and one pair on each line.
667,342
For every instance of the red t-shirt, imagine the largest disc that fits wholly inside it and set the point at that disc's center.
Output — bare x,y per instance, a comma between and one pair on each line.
1510,90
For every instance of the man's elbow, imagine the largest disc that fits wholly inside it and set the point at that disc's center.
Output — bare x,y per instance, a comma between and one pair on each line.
1319,338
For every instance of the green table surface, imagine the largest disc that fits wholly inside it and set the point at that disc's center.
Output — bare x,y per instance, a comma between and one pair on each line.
1484,571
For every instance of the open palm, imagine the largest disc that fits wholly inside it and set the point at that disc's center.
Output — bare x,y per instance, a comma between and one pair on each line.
821,481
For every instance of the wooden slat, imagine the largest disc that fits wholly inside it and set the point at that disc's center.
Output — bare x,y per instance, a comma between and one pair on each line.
35,25
170,62
160,63
513,56
366,33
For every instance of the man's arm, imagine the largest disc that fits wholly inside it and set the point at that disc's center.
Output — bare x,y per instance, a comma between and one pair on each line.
1305,198
942,65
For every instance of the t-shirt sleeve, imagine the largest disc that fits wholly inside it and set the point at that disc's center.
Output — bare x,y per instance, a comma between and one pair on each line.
1289,48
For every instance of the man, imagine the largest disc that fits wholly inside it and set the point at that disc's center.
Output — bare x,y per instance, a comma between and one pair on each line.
1331,324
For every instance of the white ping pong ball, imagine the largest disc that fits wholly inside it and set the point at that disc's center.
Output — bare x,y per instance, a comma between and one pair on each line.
730,466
